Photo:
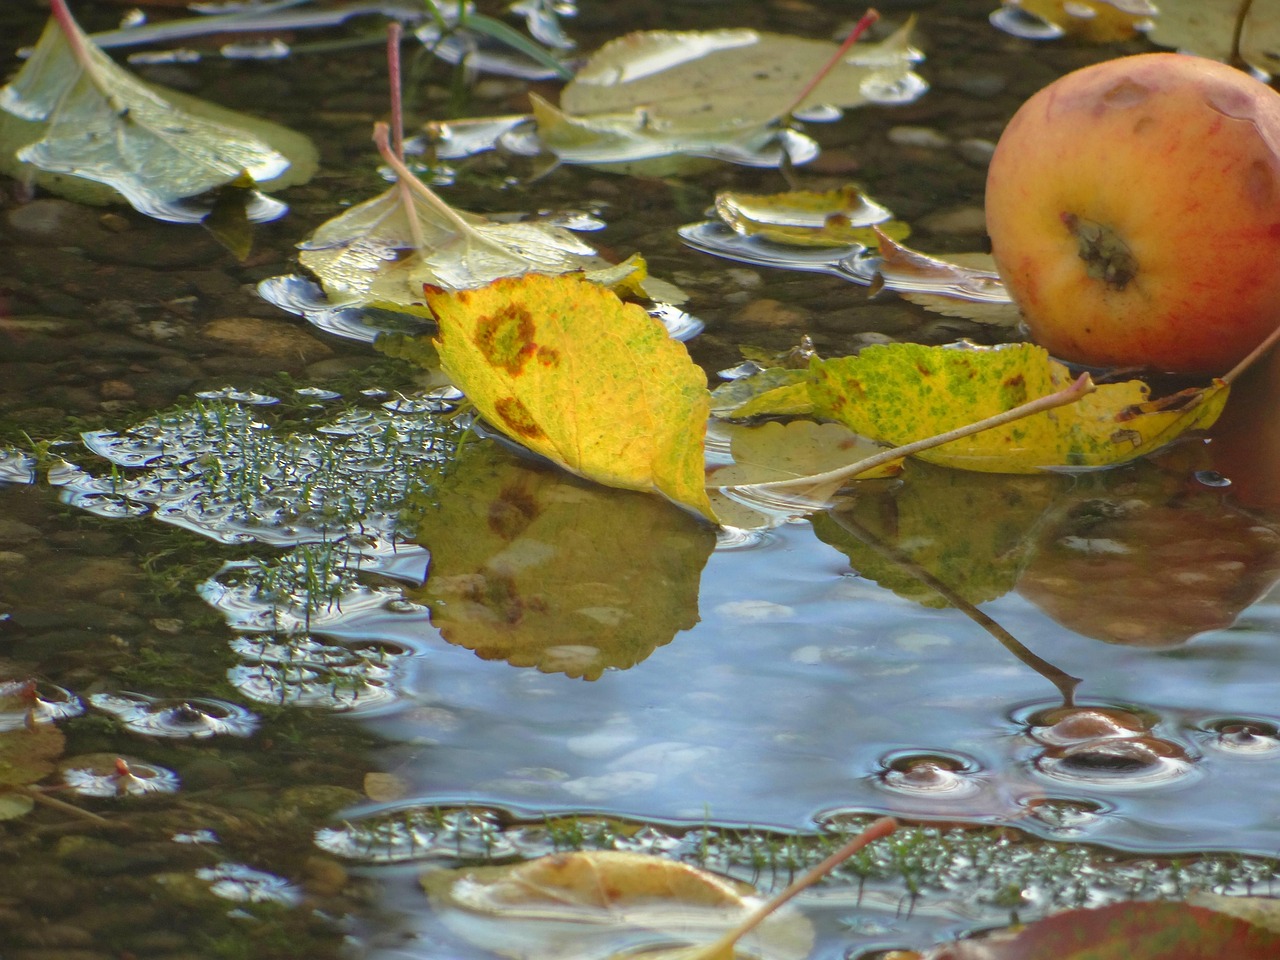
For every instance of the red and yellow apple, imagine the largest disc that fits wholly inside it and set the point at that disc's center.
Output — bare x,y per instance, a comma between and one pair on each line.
1134,213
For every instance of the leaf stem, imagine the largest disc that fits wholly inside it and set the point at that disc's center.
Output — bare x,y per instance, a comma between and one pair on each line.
1083,386
723,946
71,30
394,32
1232,375
859,28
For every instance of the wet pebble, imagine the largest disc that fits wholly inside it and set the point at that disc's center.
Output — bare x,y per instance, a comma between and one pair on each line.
92,856
958,220
50,220
14,532
323,877
275,340
54,935
764,314
976,150
920,138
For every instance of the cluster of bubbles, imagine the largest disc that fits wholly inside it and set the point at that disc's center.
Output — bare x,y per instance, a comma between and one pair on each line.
310,616
1076,755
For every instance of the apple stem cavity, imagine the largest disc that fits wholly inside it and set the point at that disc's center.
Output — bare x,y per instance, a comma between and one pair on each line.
1106,256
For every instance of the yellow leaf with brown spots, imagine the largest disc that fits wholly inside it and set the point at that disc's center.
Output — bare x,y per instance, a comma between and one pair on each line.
573,373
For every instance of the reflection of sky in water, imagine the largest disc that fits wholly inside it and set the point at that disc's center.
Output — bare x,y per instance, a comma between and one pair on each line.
783,702
803,692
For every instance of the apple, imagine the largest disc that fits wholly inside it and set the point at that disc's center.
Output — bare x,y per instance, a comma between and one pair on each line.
1134,213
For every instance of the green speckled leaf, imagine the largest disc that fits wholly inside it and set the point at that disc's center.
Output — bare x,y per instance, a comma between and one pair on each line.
903,392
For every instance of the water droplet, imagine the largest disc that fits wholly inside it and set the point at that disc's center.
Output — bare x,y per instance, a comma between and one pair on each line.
1117,763
196,717
929,775
1244,736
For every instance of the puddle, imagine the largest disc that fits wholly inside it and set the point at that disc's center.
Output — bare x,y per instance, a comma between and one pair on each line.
303,648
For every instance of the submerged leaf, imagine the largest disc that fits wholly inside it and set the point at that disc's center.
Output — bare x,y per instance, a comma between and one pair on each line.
27,754
899,393
711,93
539,569
575,906
784,451
72,114
570,371
830,218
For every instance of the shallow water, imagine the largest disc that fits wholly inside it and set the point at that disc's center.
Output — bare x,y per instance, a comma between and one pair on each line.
181,610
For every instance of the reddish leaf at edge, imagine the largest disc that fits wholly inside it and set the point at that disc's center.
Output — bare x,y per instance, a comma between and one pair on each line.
1124,931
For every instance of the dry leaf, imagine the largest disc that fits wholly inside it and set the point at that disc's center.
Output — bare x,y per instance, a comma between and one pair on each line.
585,906
72,114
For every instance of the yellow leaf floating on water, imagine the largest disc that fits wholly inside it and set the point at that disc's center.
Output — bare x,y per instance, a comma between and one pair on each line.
809,218
899,393
1096,21
574,906
573,373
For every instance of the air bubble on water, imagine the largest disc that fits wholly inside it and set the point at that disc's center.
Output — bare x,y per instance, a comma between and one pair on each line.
1117,764
317,393
741,538
1064,818
937,775
302,671
23,702
1018,22
1243,737
243,884
195,717
110,775
1059,725
422,833
248,397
